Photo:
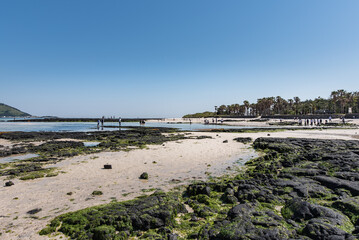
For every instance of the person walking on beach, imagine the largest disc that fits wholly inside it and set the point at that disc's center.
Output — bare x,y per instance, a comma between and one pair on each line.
119,122
98,124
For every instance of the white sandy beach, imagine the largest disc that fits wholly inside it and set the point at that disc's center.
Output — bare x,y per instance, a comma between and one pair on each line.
168,165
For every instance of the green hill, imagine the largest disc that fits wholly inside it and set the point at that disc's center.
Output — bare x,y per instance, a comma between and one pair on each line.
7,111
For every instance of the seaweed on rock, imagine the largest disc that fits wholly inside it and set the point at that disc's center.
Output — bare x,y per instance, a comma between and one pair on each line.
299,189
119,220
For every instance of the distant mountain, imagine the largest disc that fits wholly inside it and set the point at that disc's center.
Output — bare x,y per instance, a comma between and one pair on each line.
7,111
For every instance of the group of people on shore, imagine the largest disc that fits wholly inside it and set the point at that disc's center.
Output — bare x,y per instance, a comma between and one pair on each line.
311,122
101,122
316,122
214,121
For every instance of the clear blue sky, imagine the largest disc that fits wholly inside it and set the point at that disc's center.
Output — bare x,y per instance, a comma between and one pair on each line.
160,58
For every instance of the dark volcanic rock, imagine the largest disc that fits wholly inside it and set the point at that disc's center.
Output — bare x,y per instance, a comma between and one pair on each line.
243,139
9,183
334,183
21,168
298,210
34,211
144,176
299,189
121,219
350,207
196,189
107,166
244,223
319,229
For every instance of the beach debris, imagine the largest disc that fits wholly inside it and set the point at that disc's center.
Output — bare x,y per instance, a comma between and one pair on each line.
225,141
107,166
34,211
69,193
9,183
268,134
97,193
154,162
144,175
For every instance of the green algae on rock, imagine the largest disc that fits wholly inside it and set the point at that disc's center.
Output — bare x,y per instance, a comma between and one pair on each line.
299,189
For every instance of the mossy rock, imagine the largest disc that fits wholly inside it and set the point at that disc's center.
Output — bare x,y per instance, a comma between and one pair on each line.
97,193
350,207
144,176
104,232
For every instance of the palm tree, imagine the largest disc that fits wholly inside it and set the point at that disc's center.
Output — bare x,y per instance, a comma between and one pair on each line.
296,101
334,99
221,109
246,105
236,108
279,104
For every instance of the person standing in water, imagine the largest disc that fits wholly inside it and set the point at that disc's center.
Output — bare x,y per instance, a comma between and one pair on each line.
119,121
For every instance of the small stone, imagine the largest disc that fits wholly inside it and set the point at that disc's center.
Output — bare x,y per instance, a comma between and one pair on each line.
97,193
144,175
9,183
34,211
107,166
225,141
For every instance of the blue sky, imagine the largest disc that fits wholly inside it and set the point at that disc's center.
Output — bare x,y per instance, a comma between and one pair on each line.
163,58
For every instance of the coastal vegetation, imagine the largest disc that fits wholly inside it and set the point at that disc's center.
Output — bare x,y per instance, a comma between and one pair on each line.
339,102
8,111
297,189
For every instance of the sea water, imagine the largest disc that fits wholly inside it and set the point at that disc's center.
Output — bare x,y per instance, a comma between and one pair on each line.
17,158
92,126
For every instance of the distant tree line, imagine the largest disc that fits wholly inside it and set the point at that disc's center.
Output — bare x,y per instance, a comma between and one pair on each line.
339,102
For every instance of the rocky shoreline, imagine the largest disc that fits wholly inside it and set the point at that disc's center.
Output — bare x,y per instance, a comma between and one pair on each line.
53,147
299,189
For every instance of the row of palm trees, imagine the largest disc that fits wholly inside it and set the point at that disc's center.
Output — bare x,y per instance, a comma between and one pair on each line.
339,102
